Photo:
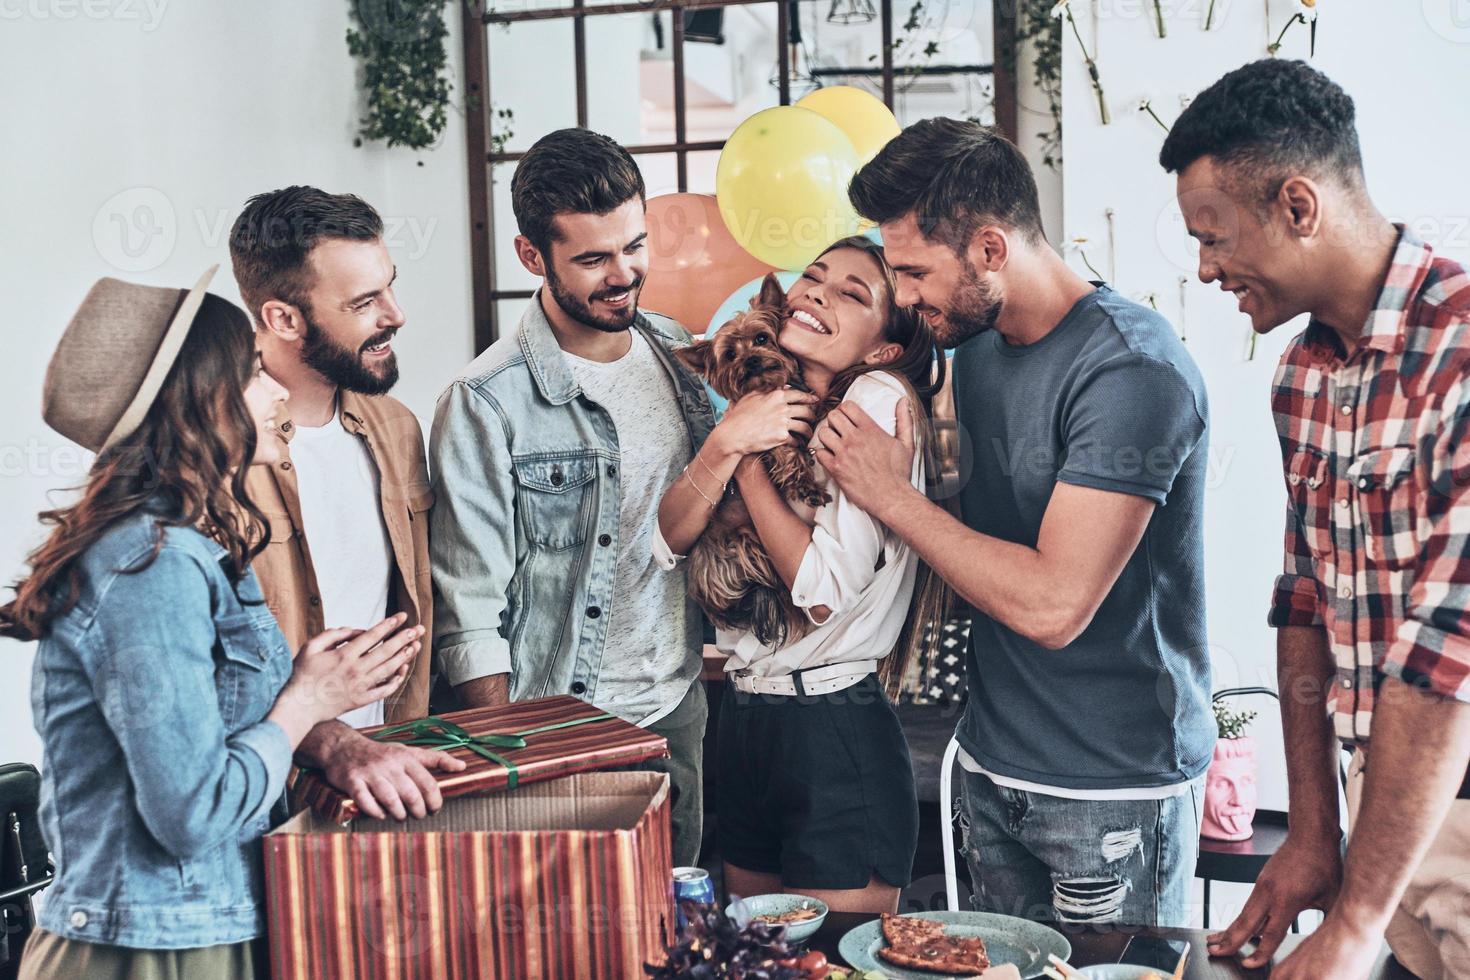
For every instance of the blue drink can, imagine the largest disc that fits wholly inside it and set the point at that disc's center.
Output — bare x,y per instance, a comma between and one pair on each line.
692,885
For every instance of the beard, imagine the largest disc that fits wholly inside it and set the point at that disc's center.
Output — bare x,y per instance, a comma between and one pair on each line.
345,367
581,309
973,309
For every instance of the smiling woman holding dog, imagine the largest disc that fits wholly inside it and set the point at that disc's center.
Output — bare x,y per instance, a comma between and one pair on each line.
816,789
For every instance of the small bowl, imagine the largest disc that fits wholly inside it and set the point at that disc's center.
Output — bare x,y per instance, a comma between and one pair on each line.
1122,971
742,910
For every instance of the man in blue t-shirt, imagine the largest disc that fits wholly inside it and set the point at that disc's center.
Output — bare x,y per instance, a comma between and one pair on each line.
1088,729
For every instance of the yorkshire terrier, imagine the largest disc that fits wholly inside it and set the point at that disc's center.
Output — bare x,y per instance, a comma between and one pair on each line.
730,574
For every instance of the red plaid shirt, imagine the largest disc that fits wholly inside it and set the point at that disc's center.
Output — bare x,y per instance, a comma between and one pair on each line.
1376,447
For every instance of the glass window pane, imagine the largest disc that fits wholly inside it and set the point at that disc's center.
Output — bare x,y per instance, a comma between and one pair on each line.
532,75
660,173
617,53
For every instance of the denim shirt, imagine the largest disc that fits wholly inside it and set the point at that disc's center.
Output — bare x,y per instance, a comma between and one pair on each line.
524,531
159,774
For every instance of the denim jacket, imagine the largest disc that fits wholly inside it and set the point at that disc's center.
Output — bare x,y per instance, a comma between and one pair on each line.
525,475
159,773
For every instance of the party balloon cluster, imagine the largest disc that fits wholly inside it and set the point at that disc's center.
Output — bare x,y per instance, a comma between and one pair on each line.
780,199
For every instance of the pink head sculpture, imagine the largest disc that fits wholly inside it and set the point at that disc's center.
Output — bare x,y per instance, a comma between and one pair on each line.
1230,791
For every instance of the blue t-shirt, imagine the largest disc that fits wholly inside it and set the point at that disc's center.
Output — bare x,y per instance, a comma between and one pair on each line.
1110,399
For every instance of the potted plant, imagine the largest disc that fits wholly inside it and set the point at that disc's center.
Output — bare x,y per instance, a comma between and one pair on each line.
1230,785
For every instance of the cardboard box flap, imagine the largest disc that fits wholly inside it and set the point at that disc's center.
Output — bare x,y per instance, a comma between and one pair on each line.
591,741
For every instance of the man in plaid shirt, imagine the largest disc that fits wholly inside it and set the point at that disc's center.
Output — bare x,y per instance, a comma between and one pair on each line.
1372,406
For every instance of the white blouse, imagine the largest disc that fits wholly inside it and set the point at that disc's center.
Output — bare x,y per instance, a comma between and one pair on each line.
854,566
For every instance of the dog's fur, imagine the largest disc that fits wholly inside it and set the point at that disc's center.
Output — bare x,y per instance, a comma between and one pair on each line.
730,574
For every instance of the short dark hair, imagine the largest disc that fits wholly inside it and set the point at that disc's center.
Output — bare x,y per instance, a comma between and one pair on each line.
953,176
275,233
571,171
1266,121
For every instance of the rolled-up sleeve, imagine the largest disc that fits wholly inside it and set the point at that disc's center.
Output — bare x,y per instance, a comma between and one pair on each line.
1432,648
1296,601
841,560
471,533
663,555
195,784
847,545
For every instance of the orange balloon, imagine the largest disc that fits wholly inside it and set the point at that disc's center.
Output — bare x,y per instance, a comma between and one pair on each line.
694,262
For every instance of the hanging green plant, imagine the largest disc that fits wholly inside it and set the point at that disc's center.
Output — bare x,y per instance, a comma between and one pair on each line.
922,57
401,46
498,140
1062,10
1035,24
905,48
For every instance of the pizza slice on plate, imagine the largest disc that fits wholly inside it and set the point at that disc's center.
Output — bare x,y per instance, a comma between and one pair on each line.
900,930
920,944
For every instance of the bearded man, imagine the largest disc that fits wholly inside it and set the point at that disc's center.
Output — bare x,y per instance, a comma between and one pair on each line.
347,502
551,453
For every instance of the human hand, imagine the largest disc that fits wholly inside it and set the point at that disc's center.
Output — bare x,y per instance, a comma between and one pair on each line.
870,466
1305,873
1336,950
386,777
343,669
756,423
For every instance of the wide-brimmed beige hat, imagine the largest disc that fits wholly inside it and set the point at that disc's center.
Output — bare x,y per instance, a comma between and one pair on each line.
113,357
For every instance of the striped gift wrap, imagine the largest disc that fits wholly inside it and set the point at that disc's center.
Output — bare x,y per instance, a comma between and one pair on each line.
589,744
566,878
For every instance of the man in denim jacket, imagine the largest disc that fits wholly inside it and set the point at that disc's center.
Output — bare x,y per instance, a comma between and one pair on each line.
550,454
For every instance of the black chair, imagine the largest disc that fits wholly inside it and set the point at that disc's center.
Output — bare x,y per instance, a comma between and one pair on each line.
1241,861
25,865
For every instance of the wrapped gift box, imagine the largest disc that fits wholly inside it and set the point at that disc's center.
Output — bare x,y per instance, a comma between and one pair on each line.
570,877
561,735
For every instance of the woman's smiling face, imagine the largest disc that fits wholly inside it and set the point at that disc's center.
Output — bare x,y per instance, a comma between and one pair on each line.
835,313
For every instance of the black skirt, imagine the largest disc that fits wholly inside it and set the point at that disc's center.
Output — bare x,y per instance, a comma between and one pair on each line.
817,788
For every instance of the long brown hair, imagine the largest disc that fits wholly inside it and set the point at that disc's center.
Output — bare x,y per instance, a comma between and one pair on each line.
189,455
921,367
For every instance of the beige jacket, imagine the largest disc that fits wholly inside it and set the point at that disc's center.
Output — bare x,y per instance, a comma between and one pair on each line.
284,567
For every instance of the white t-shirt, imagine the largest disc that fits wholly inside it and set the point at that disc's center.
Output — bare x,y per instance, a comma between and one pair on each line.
968,763
348,542
649,654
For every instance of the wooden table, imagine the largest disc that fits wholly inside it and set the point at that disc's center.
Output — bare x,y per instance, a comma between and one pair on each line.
1122,944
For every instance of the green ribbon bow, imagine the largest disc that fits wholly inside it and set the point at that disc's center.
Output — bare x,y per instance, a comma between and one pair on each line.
436,733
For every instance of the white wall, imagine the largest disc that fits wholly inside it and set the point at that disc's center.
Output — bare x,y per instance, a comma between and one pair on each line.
162,123
1403,70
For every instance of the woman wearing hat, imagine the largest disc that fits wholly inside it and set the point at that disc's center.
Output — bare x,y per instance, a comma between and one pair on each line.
165,696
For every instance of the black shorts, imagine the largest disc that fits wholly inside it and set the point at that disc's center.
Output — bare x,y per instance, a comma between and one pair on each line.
818,789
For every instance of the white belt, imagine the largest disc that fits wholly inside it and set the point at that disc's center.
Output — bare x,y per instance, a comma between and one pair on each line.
813,680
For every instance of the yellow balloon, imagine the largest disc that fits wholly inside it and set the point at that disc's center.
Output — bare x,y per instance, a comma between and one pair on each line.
782,185
861,115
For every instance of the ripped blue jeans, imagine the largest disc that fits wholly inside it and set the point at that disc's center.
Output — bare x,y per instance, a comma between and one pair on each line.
1084,861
